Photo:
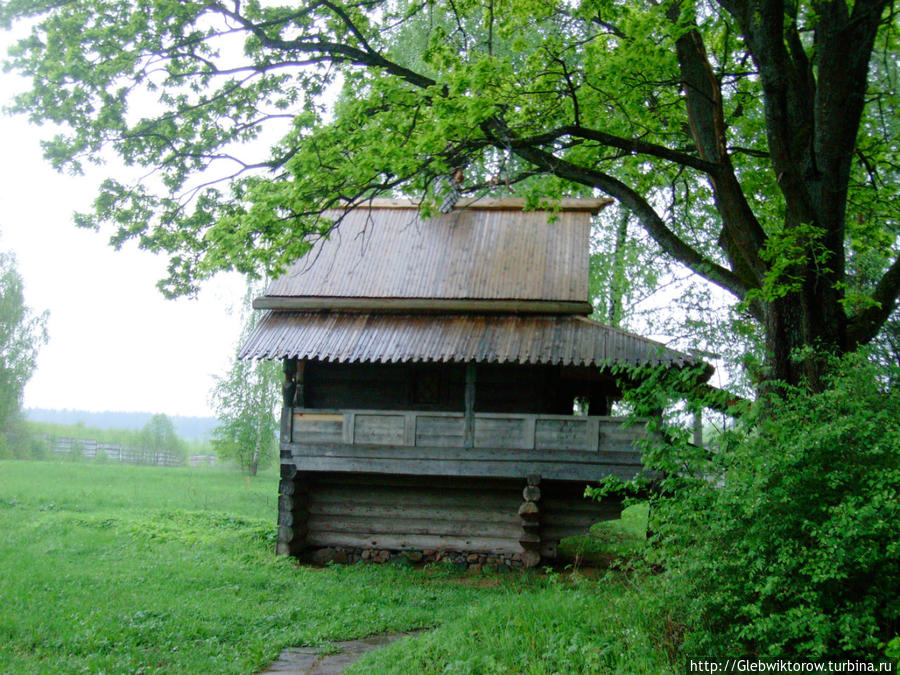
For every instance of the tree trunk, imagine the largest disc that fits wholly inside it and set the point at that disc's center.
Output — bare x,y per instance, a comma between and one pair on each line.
254,460
802,328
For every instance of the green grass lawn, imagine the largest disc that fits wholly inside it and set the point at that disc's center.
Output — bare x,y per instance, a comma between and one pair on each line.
129,569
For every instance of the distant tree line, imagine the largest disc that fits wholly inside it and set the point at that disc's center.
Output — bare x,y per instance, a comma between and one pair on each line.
189,428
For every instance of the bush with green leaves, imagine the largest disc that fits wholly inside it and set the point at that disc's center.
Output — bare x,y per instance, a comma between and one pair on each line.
784,540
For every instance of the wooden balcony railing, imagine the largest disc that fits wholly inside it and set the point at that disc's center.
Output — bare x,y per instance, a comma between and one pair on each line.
449,430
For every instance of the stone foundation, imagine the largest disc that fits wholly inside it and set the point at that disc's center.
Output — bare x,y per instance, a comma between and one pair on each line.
472,561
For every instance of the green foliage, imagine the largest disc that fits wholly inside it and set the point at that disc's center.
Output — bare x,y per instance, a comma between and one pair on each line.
245,401
76,452
758,154
122,436
158,436
783,540
610,541
21,336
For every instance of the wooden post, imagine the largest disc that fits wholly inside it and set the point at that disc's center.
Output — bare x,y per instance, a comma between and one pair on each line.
469,433
293,512
300,381
289,386
530,513
288,394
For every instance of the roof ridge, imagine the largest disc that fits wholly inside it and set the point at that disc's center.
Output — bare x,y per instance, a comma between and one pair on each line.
591,204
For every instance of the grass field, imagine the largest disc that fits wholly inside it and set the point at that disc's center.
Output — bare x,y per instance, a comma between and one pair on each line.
124,569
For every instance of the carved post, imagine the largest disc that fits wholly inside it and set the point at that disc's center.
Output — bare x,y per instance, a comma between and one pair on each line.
300,385
289,386
530,513
293,511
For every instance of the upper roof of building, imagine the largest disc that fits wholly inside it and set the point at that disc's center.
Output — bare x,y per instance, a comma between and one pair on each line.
485,255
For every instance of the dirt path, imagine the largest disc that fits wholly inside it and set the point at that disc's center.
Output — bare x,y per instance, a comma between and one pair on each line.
309,660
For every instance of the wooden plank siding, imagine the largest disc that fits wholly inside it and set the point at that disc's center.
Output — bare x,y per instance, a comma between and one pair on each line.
558,447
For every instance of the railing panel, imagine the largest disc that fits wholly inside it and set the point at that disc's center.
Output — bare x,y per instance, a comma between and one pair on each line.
440,431
379,429
502,432
318,428
562,434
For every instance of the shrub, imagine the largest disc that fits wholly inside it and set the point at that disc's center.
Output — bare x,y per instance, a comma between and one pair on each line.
785,541
76,453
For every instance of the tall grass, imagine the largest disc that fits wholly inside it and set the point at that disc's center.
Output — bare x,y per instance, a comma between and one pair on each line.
118,569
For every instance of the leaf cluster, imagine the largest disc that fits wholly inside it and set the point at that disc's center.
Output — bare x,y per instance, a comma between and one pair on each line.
780,539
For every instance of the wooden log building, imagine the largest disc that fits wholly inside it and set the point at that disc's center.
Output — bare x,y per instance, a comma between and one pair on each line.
431,373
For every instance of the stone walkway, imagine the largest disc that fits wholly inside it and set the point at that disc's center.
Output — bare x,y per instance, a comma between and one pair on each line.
309,660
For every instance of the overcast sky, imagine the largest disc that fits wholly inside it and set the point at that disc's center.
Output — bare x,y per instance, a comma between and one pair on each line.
115,342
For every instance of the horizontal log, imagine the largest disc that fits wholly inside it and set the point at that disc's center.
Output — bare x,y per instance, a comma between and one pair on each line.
531,493
294,518
530,541
417,496
449,483
415,542
287,533
498,467
437,510
287,548
411,526
458,454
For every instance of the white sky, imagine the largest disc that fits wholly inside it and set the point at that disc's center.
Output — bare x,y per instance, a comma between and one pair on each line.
115,342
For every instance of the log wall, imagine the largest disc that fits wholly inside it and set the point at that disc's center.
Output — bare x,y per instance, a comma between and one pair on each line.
523,519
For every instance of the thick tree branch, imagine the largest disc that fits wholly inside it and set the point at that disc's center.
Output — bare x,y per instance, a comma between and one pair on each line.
742,236
496,130
336,50
788,112
865,325
631,145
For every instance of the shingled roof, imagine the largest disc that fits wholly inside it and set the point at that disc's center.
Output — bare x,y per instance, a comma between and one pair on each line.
487,282
379,338
489,255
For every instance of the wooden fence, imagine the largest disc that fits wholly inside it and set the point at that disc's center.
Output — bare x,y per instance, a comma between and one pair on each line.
115,452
